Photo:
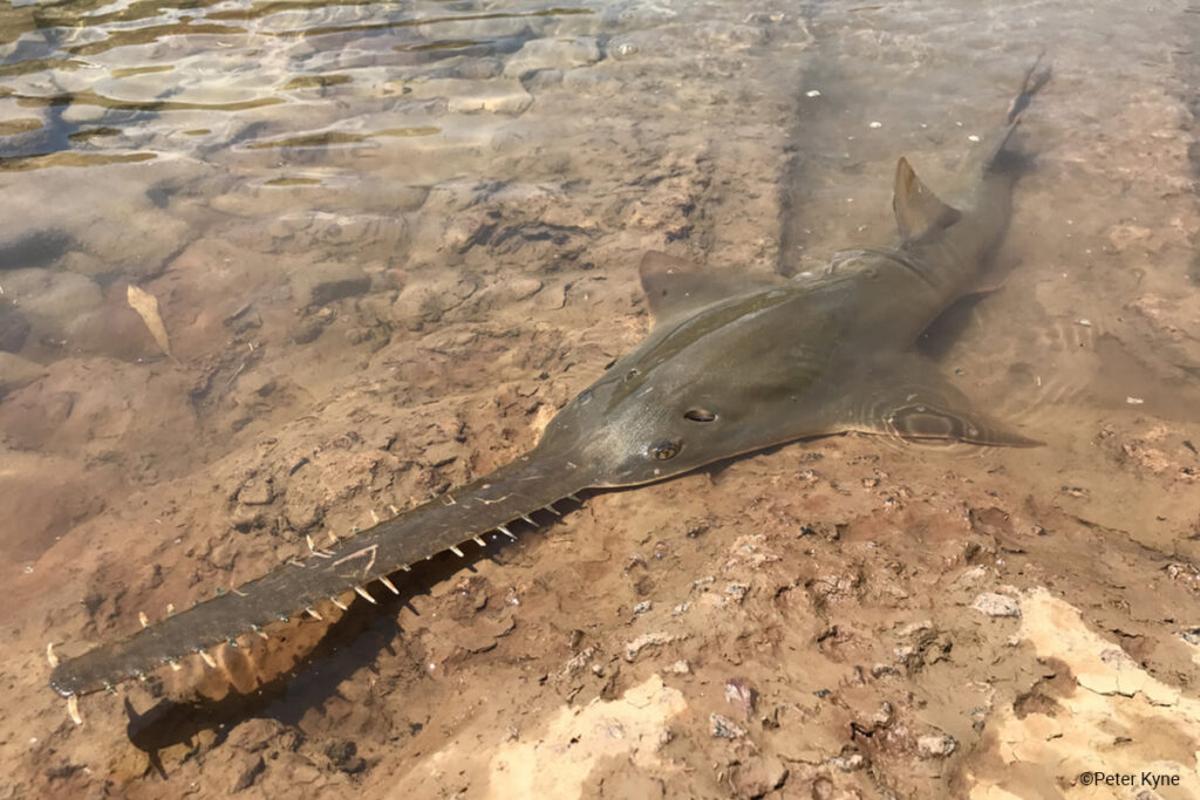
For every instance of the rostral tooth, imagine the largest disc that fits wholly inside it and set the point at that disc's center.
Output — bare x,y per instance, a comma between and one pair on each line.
364,594
73,709
390,586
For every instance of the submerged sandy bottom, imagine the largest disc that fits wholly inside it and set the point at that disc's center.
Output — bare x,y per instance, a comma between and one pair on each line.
840,618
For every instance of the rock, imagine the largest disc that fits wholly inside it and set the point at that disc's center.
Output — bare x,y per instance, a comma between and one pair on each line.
724,728
303,514
427,300
716,32
996,605
255,767
51,300
111,217
523,288
936,746
343,754
680,667
308,329
32,248
323,282
634,648
561,54
498,97
14,328
848,763
758,776
478,69
17,373
439,455
543,79
256,492
881,669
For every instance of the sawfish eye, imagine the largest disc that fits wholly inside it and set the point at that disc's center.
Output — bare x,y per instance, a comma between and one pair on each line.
664,451
699,415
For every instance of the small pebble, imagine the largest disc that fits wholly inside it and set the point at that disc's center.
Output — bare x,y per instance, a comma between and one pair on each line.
996,605
876,125
1134,401
813,93
643,607
725,728
849,763
938,746
1087,323
972,138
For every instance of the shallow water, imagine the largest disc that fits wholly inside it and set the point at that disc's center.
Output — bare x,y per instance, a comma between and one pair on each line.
385,241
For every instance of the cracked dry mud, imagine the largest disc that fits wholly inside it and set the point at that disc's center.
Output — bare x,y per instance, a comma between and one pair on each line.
841,618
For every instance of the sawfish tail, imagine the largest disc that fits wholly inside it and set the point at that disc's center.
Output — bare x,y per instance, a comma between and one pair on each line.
459,519
998,156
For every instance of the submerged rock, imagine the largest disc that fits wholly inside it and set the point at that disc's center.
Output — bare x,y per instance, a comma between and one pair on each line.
14,328
323,282
553,54
17,373
51,300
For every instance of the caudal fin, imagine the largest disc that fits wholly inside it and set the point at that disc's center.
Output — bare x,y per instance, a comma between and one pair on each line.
998,156
1035,78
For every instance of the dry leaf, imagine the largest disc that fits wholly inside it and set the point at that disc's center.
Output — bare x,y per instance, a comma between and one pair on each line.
146,305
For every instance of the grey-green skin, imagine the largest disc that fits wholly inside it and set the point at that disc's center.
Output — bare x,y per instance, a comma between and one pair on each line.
733,365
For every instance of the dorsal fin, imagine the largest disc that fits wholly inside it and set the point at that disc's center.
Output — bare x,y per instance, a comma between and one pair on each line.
676,288
918,210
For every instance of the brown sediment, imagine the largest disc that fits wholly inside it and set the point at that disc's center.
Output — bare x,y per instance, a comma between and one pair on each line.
839,580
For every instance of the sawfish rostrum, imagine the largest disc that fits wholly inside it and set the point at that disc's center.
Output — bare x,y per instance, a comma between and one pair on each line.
732,365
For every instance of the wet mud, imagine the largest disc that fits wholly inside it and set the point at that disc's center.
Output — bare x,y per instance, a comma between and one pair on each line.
385,285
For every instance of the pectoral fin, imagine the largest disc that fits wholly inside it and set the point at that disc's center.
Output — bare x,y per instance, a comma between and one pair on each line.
676,288
911,400
918,210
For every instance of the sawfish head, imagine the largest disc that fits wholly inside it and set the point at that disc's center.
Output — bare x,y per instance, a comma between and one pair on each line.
733,364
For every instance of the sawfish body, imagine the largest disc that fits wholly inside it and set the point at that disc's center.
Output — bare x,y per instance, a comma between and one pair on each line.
734,364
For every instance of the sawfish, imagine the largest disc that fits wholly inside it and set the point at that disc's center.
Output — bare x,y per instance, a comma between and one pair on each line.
733,364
